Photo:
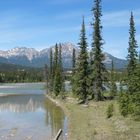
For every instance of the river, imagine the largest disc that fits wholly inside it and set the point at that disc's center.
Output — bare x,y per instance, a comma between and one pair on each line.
26,114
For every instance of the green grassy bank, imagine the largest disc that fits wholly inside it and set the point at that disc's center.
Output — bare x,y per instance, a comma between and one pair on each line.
91,123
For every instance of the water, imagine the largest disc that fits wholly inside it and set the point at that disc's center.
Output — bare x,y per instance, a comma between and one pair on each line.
26,114
22,88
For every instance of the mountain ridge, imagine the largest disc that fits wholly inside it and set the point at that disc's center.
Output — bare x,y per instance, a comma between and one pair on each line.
34,58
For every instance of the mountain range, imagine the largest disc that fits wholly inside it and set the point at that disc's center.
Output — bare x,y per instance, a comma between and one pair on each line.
32,58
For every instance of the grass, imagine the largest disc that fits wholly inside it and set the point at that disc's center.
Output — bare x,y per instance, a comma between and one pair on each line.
91,123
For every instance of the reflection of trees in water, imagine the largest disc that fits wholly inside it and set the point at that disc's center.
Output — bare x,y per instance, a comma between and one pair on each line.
54,116
21,103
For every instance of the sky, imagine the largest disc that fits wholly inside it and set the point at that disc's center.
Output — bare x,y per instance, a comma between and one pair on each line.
41,23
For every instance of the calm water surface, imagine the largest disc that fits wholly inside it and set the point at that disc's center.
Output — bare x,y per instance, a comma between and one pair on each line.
25,113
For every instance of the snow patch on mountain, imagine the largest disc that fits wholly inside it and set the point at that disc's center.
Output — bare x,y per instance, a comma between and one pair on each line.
30,53
32,57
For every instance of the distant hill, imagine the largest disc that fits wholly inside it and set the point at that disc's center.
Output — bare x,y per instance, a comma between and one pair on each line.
119,64
30,57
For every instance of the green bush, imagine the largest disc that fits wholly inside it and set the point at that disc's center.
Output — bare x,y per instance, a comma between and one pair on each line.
135,105
124,104
130,104
110,110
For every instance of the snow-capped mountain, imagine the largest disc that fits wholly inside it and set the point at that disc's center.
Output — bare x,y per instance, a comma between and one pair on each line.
31,57
30,53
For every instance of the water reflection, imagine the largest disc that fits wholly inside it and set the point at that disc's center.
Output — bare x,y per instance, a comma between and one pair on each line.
31,115
22,88
55,117
21,103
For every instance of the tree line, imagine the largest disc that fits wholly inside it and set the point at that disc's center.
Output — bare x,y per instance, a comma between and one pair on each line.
55,76
18,76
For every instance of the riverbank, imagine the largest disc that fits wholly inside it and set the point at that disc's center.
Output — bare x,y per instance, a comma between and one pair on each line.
90,122
61,104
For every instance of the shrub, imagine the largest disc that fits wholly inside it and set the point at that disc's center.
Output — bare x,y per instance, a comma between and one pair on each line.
124,104
135,105
110,110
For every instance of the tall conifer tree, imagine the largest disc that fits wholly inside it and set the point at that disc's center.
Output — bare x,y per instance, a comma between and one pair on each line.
55,60
47,77
73,71
132,55
51,76
58,71
56,84
97,66
62,85
81,72
51,61
73,59
130,103
139,57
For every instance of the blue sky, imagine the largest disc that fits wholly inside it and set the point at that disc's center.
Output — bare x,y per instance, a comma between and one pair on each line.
42,23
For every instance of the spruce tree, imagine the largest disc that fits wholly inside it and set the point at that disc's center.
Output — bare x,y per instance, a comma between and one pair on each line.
97,66
73,71
135,97
139,58
47,77
56,73
81,71
51,76
57,84
132,55
90,76
113,87
51,62
55,60
73,59
130,103
62,85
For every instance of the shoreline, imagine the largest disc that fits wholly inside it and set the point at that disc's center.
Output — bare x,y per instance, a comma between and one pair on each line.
90,122
65,110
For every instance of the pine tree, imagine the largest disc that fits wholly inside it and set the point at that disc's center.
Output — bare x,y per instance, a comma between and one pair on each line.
73,70
90,76
51,62
130,103
47,77
56,73
73,59
62,89
135,97
58,85
81,71
139,58
55,60
136,83
113,88
132,55
97,66
51,76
